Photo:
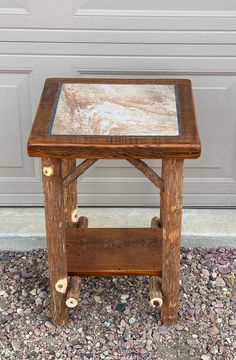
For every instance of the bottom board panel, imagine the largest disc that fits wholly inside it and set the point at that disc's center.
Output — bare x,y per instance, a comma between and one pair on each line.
114,251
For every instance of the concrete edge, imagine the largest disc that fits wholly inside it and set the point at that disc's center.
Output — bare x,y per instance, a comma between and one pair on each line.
30,243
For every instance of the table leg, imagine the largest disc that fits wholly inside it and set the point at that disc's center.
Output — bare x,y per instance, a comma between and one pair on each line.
70,194
171,203
55,232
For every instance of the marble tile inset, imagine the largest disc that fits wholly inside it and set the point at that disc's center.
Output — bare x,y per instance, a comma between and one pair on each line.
116,109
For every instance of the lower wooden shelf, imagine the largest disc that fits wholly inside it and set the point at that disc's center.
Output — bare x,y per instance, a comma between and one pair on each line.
114,251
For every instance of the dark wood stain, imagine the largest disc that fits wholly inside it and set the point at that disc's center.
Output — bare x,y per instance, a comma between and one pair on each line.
114,251
186,145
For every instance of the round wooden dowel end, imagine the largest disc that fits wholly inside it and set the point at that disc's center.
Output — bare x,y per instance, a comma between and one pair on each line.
61,286
73,293
48,170
155,223
155,292
156,302
83,222
71,302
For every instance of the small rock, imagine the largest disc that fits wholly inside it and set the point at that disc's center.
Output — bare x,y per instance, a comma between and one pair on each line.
140,278
205,357
219,304
108,308
97,298
163,330
192,352
213,275
43,295
211,297
232,322
205,273
27,311
2,292
213,331
107,323
5,258
126,334
49,325
37,332
214,351
3,304
210,285
220,282
24,293
124,297
179,327
120,307
38,301
20,311
26,275
132,320
156,335
16,345
224,270
33,292
123,324
233,298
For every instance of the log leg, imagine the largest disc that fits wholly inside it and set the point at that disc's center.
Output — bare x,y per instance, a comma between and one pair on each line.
70,194
70,210
55,232
73,294
172,172
161,197
155,292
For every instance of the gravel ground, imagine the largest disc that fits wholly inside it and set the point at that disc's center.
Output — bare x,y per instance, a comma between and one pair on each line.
114,319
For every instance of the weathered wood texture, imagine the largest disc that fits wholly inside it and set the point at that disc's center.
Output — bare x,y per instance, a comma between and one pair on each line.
172,172
155,292
72,296
70,192
187,145
115,251
79,170
55,232
148,172
155,222
82,222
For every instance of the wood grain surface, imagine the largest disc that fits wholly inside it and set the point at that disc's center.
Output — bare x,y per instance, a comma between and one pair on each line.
185,145
114,251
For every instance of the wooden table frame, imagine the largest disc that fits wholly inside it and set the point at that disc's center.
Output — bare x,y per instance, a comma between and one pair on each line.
74,250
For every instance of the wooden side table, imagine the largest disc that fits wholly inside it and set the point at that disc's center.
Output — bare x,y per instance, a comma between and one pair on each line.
130,119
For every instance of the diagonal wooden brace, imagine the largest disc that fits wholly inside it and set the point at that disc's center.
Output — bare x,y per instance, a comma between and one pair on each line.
148,172
79,170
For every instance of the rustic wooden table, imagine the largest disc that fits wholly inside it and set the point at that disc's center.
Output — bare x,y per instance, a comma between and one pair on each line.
130,119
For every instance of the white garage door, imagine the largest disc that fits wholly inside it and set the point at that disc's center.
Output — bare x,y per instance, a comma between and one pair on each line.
184,39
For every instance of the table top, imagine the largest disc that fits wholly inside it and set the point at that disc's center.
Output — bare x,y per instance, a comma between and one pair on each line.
115,118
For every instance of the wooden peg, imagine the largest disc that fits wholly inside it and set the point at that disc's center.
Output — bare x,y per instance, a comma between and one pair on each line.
48,170
72,297
74,216
61,285
155,222
73,293
155,293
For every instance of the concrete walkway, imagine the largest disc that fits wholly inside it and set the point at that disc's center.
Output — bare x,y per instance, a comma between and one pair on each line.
23,228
